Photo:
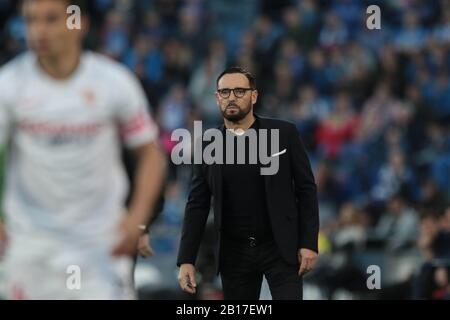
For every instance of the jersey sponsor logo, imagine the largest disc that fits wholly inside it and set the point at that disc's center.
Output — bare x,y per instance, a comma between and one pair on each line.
61,133
89,97
60,128
28,103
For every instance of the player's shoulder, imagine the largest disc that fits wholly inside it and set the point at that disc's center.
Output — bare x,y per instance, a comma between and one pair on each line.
16,69
110,69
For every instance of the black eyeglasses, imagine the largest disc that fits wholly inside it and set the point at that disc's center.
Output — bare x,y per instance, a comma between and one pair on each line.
238,92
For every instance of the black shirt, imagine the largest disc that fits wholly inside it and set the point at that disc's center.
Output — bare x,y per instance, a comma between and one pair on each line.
244,198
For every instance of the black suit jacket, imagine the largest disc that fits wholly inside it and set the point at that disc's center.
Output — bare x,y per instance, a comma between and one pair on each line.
291,197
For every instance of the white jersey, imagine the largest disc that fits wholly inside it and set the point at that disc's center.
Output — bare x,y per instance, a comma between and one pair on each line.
65,178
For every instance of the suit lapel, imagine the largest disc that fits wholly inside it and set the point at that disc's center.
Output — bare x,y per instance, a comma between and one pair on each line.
217,178
264,125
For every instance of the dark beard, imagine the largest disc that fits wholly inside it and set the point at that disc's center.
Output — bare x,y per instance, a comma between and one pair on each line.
238,116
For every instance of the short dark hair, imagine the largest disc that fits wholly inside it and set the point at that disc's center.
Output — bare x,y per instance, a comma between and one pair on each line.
80,3
246,73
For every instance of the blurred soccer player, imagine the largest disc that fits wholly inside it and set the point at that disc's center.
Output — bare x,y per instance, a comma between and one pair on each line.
63,116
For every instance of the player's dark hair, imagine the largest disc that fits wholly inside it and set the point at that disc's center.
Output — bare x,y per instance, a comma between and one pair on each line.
83,4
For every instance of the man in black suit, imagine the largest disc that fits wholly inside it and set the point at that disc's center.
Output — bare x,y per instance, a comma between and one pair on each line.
265,224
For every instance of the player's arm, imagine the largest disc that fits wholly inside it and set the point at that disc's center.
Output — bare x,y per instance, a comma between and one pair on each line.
151,162
140,135
148,180
5,124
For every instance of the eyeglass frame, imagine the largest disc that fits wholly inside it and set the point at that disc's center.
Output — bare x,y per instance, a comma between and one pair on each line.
234,92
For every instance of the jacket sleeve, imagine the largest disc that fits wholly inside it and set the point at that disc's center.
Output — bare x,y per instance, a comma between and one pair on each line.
195,216
305,191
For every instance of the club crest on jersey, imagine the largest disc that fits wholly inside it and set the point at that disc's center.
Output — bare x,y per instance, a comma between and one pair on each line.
89,97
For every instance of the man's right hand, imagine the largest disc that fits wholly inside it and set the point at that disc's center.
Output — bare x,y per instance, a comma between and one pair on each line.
186,278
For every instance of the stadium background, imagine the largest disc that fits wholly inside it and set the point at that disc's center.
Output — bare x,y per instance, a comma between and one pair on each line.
372,106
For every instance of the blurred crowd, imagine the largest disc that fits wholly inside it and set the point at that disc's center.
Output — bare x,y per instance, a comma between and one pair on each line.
372,107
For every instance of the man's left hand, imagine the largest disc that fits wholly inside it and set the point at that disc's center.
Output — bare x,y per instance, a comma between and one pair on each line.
129,234
307,259
144,247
